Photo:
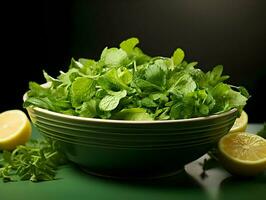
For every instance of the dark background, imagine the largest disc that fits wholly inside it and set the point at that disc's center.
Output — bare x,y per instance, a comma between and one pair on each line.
45,35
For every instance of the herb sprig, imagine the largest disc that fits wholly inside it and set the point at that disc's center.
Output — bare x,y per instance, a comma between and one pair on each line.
36,161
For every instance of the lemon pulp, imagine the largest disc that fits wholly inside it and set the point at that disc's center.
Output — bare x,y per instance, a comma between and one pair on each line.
15,129
243,153
240,124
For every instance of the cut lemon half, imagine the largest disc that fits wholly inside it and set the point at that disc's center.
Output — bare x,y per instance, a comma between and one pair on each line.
243,153
240,124
15,129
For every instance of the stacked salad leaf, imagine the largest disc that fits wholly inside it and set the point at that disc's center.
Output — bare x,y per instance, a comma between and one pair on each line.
127,84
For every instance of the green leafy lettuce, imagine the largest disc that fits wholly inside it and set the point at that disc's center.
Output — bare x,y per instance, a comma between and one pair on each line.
127,84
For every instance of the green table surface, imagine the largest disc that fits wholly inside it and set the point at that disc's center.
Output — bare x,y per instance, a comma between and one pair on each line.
73,183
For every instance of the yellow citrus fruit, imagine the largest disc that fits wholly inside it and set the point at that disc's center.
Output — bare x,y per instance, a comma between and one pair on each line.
243,153
15,129
240,124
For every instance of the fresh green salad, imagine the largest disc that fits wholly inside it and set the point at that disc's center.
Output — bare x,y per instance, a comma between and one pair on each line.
127,84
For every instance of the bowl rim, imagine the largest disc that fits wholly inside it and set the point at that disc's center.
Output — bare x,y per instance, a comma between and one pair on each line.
117,121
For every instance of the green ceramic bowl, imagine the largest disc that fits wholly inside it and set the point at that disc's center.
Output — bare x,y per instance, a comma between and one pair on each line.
131,141
130,163
163,134
132,149
129,145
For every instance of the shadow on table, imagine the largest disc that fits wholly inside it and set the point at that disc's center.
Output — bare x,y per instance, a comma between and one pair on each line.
179,180
180,186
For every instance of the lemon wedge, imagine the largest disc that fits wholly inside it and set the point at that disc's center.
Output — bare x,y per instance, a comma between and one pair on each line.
240,124
243,153
15,129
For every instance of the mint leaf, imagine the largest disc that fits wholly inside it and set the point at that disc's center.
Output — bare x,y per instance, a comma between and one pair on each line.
37,91
134,53
244,92
126,76
113,56
212,78
75,64
55,82
129,44
235,99
147,102
147,86
178,56
156,74
110,102
89,67
226,98
82,90
182,83
88,109
111,81
70,76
